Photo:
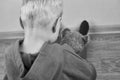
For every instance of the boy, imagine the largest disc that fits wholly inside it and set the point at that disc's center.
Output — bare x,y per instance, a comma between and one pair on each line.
36,57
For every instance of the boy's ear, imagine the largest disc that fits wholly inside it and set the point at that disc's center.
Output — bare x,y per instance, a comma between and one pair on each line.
21,24
84,28
55,29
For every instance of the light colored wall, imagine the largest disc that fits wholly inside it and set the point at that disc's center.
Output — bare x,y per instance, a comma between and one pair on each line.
9,14
97,12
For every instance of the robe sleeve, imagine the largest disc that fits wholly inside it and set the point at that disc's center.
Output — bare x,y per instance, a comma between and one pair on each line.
11,69
75,67
71,66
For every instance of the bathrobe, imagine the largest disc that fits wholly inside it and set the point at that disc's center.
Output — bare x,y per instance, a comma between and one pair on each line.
53,62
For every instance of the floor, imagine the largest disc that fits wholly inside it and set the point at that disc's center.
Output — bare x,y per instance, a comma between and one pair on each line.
103,52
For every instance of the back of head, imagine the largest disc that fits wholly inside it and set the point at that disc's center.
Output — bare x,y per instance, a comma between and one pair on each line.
43,11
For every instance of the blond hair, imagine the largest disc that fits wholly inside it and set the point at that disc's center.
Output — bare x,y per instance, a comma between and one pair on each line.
45,10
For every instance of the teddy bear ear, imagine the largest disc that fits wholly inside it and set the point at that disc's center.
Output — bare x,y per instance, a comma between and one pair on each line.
65,31
84,28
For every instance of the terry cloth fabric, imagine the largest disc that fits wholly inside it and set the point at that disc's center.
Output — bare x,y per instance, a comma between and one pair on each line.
28,60
54,62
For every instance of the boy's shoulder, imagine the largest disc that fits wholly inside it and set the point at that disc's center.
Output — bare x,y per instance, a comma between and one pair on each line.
12,51
9,50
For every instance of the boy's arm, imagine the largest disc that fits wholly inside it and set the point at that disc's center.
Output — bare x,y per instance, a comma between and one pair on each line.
77,68
71,66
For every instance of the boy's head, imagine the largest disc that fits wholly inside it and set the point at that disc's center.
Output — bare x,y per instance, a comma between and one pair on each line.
77,39
43,16
40,12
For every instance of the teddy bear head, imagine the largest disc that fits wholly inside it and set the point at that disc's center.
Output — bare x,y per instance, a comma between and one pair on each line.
75,38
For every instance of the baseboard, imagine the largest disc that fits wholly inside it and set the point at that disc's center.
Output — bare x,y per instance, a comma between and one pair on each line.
94,30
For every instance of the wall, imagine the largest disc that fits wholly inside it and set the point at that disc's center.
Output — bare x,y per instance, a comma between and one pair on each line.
97,12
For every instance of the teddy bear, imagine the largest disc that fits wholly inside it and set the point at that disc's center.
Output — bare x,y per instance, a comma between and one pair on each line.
75,38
